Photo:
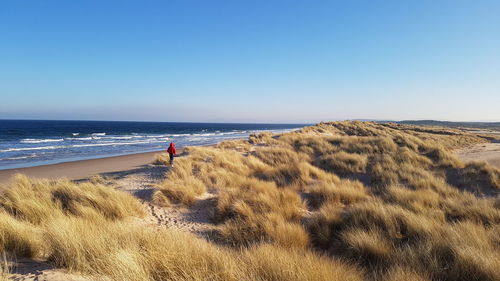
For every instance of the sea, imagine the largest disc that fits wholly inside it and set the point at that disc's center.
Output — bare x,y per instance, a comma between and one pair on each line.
28,143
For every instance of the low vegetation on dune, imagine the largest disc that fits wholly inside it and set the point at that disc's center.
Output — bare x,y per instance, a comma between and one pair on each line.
392,200
33,211
334,201
90,229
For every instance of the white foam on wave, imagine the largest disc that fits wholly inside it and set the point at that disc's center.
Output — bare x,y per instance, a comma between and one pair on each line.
87,138
217,133
112,143
232,133
40,140
31,148
17,158
118,137
200,138
98,134
80,145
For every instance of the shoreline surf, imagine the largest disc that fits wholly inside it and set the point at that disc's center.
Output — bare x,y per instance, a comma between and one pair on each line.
29,143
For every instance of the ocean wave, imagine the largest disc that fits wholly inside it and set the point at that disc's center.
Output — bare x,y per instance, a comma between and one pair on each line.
72,144
30,148
200,138
40,140
111,144
87,138
79,145
217,133
20,157
118,137
232,133
16,158
157,136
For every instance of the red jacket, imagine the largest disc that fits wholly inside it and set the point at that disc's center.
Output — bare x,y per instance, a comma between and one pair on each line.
171,148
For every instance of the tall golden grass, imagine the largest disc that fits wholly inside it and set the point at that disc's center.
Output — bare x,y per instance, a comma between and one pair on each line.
383,196
334,201
5,268
88,229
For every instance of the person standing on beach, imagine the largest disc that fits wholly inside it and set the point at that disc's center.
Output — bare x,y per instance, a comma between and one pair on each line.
171,152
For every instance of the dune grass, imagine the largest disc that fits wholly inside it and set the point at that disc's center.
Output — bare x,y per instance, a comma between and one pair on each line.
161,159
334,201
90,230
5,267
382,196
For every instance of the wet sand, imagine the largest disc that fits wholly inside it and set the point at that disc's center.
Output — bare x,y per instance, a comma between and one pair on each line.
83,168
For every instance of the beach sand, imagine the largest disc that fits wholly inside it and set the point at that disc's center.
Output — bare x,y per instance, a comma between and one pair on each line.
489,152
84,168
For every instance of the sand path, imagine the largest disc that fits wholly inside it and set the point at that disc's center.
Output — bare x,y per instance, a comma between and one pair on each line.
489,152
30,270
142,183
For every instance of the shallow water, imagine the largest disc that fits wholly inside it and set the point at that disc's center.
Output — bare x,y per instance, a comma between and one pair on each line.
26,143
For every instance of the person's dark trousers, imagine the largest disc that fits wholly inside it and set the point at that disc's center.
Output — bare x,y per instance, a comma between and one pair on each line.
171,158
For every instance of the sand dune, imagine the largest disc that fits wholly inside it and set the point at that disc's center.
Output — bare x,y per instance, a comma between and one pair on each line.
489,152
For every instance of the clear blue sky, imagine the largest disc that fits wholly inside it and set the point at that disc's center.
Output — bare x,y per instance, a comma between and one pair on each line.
250,61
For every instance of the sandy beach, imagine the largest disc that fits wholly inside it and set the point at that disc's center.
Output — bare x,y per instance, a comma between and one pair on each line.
84,168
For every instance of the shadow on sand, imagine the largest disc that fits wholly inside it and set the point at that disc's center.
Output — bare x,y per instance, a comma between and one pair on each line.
155,172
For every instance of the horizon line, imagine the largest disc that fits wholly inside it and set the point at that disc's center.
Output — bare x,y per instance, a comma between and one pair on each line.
269,123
